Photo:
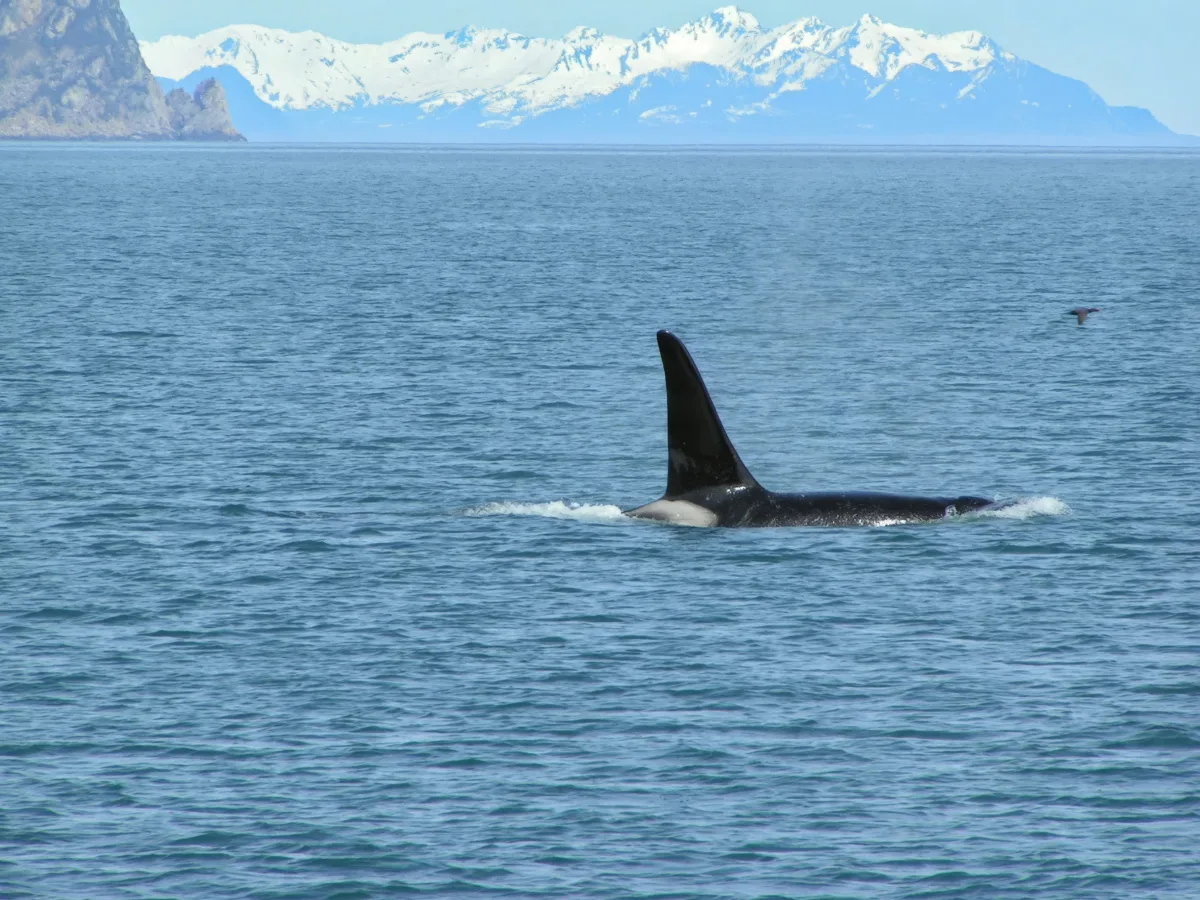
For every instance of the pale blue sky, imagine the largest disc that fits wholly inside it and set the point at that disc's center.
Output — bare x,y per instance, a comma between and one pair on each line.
1144,53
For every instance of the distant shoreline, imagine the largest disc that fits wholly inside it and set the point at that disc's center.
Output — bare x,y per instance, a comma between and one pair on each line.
1180,143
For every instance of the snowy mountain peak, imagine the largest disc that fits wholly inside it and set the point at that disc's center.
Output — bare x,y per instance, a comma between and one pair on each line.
884,50
731,18
581,34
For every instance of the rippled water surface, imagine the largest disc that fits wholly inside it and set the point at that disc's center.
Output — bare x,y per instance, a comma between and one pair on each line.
313,581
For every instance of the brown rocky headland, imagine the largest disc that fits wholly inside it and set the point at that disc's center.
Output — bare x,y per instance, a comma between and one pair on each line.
72,70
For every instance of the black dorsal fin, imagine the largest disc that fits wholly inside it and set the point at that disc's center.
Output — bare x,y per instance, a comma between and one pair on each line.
701,455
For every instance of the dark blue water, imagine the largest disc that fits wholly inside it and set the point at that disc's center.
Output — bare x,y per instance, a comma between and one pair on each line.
312,582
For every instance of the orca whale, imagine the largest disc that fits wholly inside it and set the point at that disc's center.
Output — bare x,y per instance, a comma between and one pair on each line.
709,485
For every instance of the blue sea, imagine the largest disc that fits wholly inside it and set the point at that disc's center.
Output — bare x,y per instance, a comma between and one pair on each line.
313,581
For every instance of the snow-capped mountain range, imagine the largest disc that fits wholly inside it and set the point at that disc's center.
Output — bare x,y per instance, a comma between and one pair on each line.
723,77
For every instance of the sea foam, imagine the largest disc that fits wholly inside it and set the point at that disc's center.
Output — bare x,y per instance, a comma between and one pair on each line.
1025,508
557,509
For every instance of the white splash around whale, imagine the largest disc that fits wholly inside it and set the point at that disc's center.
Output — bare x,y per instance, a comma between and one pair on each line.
1025,509
557,509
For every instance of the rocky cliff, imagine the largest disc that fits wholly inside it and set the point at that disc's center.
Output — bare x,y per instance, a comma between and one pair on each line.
72,69
203,115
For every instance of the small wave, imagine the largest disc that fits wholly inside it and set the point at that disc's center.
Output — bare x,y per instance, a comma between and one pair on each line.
308,546
138,334
558,509
1026,508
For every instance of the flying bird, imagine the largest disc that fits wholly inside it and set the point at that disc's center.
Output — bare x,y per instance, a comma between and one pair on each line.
1082,312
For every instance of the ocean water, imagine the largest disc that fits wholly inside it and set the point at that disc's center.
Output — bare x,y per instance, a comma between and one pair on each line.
313,582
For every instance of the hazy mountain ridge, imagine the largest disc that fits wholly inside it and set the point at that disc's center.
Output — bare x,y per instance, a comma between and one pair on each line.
722,77
72,69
